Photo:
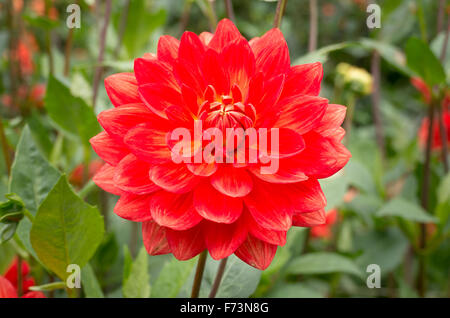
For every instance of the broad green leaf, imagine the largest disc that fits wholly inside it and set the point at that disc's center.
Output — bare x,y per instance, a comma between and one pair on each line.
137,284
32,178
239,279
172,278
406,210
294,290
66,230
7,254
384,248
436,47
423,62
321,55
90,283
334,189
323,263
359,176
70,113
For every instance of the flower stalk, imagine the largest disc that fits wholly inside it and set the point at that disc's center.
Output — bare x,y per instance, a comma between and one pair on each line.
313,25
199,274
218,279
229,10
281,6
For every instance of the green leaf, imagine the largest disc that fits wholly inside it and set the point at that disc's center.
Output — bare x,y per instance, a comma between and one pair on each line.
41,22
32,178
66,230
238,281
172,278
406,210
423,62
71,114
137,283
7,254
11,210
359,176
321,55
7,231
323,263
90,283
294,290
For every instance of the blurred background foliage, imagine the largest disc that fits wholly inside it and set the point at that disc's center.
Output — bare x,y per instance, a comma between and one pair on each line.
374,206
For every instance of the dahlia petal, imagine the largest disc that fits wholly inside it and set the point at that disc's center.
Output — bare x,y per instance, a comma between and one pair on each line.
202,169
239,62
222,240
205,37
268,236
301,113
175,211
286,173
104,179
110,150
256,253
190,98
332,120
173,177
305,196
309,219
289,143
154,237
271,53
226,32
267,113
134,207
148,144
152,70
168,49
303,79
131,175
186,244
322,157
269,206
232,182
118,121
215,206
158,97
122,89
214,73
7,290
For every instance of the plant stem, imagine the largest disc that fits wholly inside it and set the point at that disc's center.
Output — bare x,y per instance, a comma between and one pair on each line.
421,279
375,68
211,14
229,10
99,69
199,274
422,23
68,50
184,20
5,147
441,13
281,6
19,276
218,279
313,25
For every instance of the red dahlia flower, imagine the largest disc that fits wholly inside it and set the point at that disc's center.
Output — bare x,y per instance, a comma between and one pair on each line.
436,140
9,285
222,81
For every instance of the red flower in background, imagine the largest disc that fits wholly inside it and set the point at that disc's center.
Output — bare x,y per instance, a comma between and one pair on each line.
436,135
9,284
423,88
225,81
76,176
324,230
34,97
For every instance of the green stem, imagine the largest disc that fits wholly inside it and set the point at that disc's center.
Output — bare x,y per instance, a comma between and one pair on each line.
281,6
199,274
28,215
19,276
422,23
211,14
229,10
87,189
5,147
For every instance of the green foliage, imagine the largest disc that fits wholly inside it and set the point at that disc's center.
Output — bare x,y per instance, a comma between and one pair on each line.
66,230
136,283
71,114
409,211
172,277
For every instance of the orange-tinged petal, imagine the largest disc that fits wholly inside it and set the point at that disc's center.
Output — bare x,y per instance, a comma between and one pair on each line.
256,253
154,237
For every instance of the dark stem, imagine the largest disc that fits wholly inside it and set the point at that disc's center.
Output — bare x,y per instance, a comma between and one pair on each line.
199,274
421,279
313,25
5,147
218,279
281,6
441,13
19,276
229,10
184,20
375,68
122,27
99,69
443,134
445,44
68,50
